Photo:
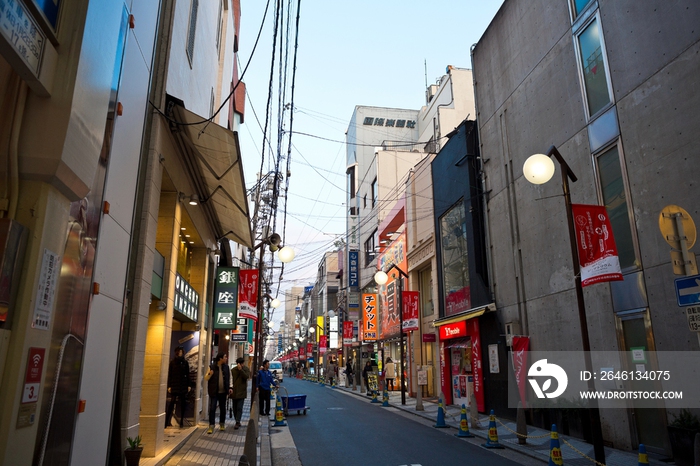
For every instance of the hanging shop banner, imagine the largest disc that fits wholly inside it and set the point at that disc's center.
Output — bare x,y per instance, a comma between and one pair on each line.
520,347
322,344
388,304
410,310
248,294
369,317
226,297
596,245
186,299
347,333
309,349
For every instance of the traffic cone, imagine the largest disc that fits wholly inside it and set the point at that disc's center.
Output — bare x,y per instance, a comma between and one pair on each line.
492,440
555,458
385,398
464,425
279,415
643,459
440,416
374,397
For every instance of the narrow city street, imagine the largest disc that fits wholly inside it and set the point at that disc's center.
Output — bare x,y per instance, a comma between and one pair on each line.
346,429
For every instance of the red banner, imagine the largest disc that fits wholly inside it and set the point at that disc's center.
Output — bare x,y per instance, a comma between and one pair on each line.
520,348
248,294
347,333
411,300
596,245
309,349
322,344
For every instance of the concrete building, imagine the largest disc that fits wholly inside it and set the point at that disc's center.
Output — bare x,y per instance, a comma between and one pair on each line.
613,85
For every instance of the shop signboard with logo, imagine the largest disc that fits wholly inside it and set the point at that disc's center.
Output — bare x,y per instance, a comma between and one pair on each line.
369,317
226,298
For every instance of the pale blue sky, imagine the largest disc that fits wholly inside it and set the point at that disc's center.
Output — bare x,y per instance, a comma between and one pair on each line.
365,52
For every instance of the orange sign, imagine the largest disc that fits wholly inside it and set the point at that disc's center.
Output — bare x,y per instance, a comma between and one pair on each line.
369,317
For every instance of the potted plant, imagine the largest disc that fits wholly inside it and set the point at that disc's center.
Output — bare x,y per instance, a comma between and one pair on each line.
133,453
681,433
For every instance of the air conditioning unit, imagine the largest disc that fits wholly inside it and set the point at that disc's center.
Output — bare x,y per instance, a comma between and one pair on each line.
512,329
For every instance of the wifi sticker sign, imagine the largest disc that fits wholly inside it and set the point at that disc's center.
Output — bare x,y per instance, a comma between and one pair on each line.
32,380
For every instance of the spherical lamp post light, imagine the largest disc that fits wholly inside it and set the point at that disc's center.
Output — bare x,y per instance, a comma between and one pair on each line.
538,169
286,254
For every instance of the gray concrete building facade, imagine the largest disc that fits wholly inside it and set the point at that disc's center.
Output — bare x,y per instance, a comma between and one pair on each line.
614,85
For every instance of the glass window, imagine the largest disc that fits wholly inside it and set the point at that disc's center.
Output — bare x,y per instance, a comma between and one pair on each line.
374,192
370,248
595,75
579,6
455,263
192,29
615,200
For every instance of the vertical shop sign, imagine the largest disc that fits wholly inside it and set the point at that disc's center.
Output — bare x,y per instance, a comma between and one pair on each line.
520,348
369,317
248,294
477,370
347,333
354,263
410,310
50,267
309,349
597,252
322,344
226,297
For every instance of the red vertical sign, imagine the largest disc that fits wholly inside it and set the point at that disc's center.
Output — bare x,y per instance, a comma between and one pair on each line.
597,252
411,301
520,347
322,343
309,349
248,294
477,371
347,333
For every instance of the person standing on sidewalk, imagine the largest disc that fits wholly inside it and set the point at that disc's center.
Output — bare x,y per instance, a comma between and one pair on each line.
265,382
239,378
178,386
365,375
390,374
218,387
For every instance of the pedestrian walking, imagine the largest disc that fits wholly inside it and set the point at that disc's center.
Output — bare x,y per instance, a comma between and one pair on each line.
239,381
330,371
265,383
390,373
218,387
178,386
348,372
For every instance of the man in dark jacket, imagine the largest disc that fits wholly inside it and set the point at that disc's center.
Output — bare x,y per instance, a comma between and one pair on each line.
239,377
218,387
178,386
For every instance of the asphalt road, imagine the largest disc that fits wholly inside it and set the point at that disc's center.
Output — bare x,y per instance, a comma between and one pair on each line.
346,429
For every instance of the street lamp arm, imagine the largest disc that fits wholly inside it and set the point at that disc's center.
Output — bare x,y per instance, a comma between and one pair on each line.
565,166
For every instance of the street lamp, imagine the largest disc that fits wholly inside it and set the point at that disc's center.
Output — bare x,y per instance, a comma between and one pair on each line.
381,278
539,169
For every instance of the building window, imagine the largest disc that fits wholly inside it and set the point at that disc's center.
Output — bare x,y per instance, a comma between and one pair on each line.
615,200
579,6
219,26
455,260
192,29
351,181
364,200
595,75
374,192
371,248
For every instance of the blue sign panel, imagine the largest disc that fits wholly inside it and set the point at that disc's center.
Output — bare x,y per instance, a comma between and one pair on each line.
354,276
688,290
307,289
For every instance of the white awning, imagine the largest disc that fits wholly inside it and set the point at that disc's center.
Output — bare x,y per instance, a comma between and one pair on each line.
217,153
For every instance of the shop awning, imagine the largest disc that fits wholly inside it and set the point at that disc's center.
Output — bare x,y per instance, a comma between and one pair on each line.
470,314
218,171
